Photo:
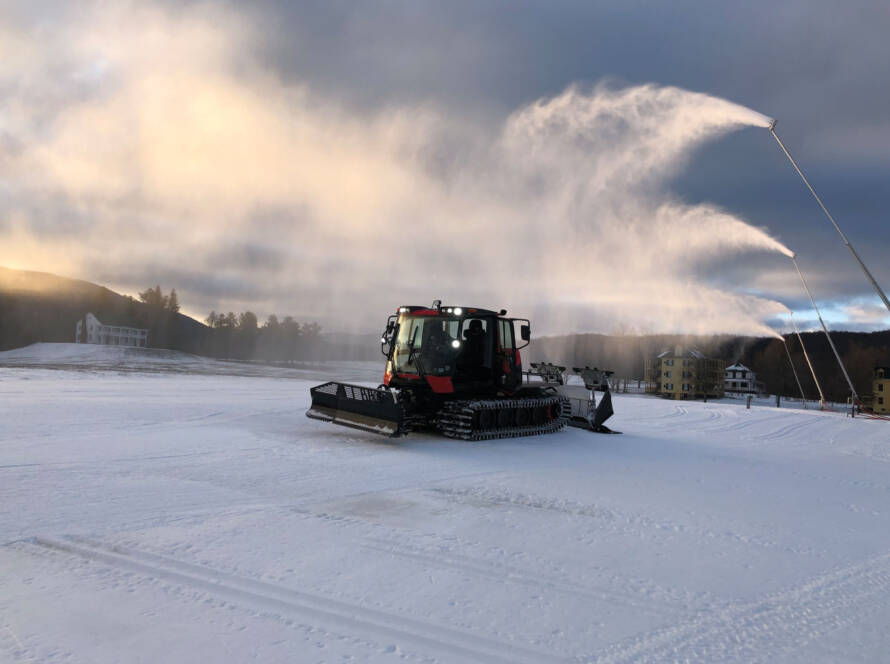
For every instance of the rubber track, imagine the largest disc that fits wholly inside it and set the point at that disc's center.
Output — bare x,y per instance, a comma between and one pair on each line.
456,419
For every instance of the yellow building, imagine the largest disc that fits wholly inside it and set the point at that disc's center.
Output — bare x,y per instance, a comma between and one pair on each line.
881,390
685,373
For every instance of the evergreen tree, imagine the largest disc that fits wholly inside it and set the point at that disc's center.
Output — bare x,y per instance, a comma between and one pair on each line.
245,342
172,302
247,321
154,297
290,338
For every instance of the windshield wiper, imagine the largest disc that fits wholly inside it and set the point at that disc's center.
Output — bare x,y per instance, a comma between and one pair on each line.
412,352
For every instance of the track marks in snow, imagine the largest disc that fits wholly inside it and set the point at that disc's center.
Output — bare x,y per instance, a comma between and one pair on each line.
750,631
510,574
610,520
635,593
371,624
746,425
10,643
765,430
787,431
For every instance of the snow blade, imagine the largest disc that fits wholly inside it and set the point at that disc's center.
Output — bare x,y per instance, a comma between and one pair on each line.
603,412
365,408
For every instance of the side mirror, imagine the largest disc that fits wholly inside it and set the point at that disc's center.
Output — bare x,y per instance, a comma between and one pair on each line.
525,332
388,336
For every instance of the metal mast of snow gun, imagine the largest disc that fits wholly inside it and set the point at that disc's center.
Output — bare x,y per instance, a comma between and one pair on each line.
871,279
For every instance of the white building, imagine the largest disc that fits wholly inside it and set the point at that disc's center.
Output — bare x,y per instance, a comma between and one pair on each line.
740,379
112,335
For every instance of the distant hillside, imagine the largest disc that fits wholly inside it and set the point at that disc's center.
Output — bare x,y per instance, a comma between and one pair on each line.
37,306
626,355
41,307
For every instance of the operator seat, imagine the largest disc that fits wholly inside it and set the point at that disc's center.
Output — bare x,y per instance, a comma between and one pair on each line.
437,352
473,355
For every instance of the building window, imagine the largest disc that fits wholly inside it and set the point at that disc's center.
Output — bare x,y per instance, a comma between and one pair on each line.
881,400
668,363
667,374
669,387
880,387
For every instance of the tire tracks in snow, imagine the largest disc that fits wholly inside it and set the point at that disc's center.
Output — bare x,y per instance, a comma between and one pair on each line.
751,631
372,624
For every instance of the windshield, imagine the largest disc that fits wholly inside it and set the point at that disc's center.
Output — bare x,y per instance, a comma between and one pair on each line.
427,345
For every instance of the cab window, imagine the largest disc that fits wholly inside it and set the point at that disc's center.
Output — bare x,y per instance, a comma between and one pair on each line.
506,331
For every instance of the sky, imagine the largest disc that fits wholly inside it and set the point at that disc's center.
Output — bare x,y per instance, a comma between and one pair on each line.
594,166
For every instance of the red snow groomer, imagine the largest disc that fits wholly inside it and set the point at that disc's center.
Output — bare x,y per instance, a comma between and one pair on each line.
455,370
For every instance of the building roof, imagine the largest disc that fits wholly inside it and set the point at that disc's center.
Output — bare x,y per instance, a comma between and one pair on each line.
116,321
738,366
682,352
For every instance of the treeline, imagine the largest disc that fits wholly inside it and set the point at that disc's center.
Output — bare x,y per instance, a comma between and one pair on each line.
242,337
159,313
234,336
38,306
860,352
626,355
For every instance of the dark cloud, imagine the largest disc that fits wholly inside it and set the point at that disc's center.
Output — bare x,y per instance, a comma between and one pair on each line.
255,257
508,53
820,67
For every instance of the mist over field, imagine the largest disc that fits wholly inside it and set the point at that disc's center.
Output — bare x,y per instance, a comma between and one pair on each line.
151,146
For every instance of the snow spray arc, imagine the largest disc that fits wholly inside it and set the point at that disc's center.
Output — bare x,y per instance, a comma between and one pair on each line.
296,196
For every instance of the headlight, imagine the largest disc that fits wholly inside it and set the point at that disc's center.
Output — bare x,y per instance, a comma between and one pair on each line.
458,311
383,340
455,344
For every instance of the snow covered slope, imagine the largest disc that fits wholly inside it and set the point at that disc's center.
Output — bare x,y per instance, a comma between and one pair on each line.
54,354
153,516
92,357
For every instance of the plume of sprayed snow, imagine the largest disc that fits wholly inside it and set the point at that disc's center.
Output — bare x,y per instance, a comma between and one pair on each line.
161,162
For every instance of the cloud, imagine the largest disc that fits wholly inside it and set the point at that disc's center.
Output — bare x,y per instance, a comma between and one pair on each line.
151,144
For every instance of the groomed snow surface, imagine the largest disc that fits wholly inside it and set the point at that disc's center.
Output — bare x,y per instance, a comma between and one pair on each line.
153,514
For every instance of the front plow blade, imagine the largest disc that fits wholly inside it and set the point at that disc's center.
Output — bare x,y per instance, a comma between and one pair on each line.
358,407
603,412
